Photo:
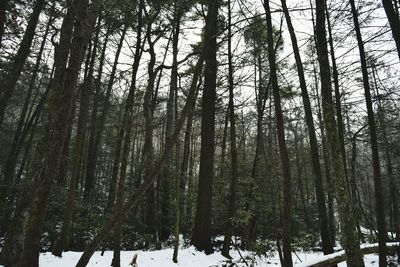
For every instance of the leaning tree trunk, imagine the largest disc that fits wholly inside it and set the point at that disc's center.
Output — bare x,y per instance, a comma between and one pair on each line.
394,22
10,81
14,238
7,189
379,197
349,237
134,199
327,244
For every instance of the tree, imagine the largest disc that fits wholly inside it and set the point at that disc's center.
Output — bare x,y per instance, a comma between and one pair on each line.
121,158
394,22
327,244
349,237
287,180
379,199
201,237
234,164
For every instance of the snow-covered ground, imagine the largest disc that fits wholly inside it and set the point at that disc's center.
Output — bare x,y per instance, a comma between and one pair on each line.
188,257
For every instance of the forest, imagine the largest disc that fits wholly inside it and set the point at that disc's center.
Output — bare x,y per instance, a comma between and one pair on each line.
199,133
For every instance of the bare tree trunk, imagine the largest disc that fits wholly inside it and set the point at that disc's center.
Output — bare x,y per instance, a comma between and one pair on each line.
11,80
379,197
125,135
178,188
327,244
201,237
287,183
169,168
57,127
394,194
394,22
349,237
128,105
3,7
14,238
95,127
7,192
86,90
234,165
338,101
148,147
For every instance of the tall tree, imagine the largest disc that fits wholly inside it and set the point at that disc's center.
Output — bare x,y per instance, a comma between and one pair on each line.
14,239
169,170
379,197
84,24
23,127
125,137
85,92
327,244
201,237
287,180
349,237
234,164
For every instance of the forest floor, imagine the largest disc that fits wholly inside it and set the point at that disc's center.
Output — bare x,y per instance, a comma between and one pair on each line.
188,257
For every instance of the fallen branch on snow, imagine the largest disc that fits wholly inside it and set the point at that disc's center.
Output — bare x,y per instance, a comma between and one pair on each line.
340,256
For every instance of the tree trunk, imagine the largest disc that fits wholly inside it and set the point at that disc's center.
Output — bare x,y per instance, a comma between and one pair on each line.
287,183
148,147
86,90
11,80
338,101
125,135
14,239
97,126
327,244
379,196
394,22
177,187
168,172
128,106
234,165
349,237
3,7
201,237
394,193
57,128
7,193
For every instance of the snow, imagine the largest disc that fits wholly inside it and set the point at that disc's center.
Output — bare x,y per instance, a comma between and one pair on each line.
188,257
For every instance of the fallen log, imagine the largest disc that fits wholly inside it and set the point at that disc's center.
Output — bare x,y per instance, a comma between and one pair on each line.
337,257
